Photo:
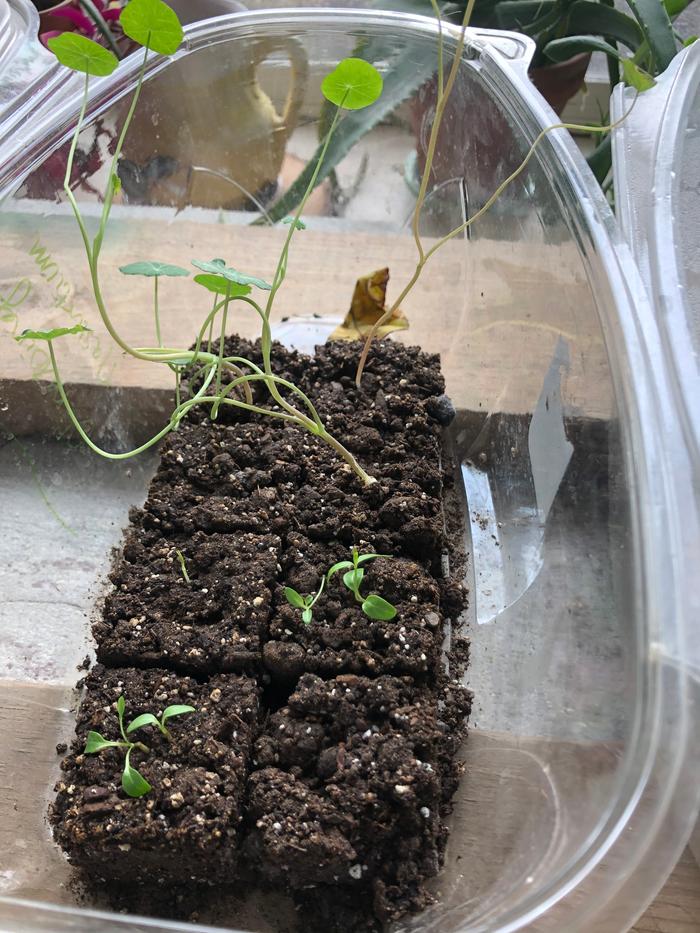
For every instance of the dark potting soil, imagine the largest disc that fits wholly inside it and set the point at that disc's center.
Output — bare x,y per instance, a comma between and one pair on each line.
354,766
353,774
187,828
215,622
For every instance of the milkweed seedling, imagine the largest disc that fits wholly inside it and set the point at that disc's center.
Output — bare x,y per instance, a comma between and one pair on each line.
183,565
133,782
373,606
305,603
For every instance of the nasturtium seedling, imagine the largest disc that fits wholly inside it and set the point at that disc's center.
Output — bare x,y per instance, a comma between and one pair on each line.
82,54
150,268
353,84
51,334
148,719
152,23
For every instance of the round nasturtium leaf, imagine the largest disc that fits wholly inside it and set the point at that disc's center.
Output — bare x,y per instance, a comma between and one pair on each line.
219,267
82,54
51,334
152,23
353,84
636,77
242,279
151,268
221,286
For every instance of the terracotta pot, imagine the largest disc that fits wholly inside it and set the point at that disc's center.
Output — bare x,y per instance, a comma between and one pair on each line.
558,83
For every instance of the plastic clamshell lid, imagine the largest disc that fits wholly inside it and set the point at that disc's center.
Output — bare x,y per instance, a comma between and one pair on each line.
656,161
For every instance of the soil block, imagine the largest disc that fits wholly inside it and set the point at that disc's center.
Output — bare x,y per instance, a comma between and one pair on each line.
186,829
350,787
341,637
216,622
355,760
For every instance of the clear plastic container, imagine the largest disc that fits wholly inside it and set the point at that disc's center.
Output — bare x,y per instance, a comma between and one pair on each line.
580,786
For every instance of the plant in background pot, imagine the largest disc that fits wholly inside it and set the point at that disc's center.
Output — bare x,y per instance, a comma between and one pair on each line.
638,41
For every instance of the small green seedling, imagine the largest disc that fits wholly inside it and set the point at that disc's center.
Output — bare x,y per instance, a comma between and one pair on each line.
183,566
133,782
373,606
148,719
305,603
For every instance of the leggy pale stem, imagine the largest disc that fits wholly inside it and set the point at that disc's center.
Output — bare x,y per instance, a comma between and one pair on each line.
224,314
177,415
572,127
211,325
347,456
277,280
440,73
109,193
93,250
155,310
280,271
69,169
443,97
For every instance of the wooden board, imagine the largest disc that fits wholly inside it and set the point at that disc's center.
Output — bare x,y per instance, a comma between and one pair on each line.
677,907
495,311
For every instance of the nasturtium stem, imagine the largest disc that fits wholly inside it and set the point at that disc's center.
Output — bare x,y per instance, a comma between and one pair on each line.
280,271
211,365
176,416
211,317
217,388
155,310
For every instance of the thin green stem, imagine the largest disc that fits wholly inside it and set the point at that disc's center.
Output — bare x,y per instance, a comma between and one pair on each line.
442,99
440,71
210,318
178,377
121,729
155,310
217,388
175,418
280,271
69,169
320,590
282,263
109,191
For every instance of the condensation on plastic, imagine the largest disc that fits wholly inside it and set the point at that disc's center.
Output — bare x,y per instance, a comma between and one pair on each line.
580,786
